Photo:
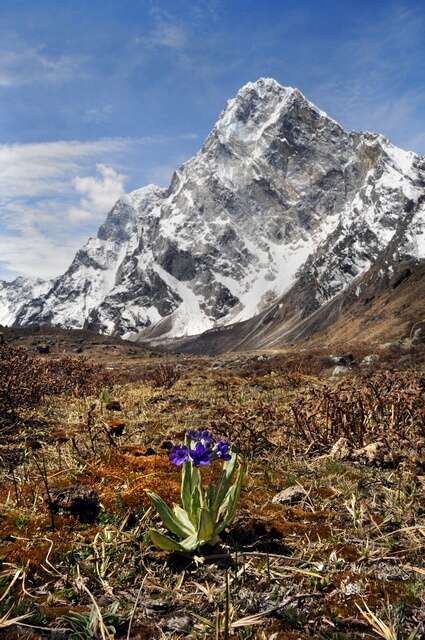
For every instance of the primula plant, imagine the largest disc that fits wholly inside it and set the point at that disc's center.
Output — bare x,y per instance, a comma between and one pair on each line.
205,512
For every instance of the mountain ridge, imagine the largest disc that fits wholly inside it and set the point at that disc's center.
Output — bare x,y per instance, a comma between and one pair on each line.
279,198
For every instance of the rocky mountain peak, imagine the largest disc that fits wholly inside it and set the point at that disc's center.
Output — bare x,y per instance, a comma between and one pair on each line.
253,108
280,203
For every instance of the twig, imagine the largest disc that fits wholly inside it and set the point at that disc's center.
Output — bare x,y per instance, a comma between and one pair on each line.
54,630
256,618
136,602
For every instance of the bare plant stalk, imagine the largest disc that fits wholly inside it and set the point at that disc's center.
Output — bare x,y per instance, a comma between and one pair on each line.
43,472
227,608
15,487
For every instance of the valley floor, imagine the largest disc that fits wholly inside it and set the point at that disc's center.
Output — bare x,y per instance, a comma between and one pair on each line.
329,538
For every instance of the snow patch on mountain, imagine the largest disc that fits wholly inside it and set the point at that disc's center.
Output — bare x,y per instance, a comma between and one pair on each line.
16,294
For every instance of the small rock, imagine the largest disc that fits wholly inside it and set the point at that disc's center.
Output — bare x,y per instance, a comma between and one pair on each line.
153,608
113,405
370,360
289,495
391,346
371,453
116,428
346,359
259,388
417,334
43,348
179,624
105,600
341,450
340,370
77,500
149,452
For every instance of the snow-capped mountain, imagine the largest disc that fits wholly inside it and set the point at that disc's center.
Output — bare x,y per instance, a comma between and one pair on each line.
17,294
279,199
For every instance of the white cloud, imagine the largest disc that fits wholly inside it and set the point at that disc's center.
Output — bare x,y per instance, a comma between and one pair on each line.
167,31
28,170
48,194
34,253
99,194
26,65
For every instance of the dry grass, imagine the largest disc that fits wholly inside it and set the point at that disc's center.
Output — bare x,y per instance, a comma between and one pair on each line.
345,556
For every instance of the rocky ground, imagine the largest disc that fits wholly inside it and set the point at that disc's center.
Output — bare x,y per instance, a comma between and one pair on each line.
328,542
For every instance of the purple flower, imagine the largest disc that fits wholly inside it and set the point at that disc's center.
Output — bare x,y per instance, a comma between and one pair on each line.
202,436
200,455
179,455
201,449
222,450
206,437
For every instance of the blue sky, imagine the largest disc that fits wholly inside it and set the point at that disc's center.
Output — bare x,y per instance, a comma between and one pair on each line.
103,96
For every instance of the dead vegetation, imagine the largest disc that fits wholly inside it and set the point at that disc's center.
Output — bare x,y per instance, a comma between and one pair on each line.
25,379
338,557
164,375
22,383
383,406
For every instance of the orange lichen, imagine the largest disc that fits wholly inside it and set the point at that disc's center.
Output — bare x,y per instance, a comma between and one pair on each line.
128,475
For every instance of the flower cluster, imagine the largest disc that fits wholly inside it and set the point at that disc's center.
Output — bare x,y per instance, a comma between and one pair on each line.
200,449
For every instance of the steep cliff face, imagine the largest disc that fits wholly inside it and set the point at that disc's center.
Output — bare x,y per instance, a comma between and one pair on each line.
280,205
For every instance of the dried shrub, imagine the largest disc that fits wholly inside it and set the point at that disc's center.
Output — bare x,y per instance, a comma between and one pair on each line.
22,381
310,363
252,428
77,376
307,363
25,379
165,376
387,406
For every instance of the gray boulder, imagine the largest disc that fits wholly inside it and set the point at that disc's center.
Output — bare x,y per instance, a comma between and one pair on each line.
77,500
345,360
289,495
370,360
340,370
417,333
